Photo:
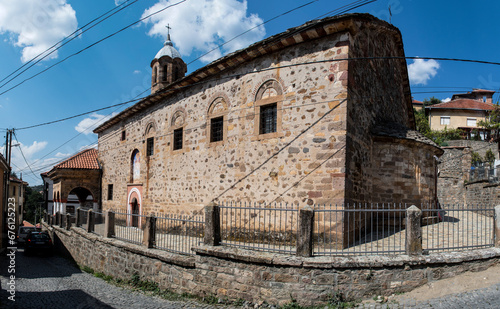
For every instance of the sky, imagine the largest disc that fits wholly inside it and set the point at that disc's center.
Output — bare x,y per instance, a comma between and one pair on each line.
83,76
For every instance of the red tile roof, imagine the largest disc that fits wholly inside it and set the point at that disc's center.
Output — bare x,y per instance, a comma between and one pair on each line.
464,104
86,159
416,102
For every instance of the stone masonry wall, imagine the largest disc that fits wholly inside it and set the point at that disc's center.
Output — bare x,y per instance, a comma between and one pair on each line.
403,172
378,94
273,278
302,163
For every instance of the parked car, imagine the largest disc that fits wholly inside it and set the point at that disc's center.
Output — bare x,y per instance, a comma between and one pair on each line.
23,232
38,242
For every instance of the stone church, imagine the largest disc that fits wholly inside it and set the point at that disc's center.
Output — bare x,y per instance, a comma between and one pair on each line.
319,114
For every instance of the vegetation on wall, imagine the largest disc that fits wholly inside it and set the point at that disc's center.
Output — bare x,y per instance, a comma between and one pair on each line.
437,136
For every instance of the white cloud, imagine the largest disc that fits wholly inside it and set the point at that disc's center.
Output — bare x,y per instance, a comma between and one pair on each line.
118,2
446,100
137,72
36,25
87,125
202,25
421,70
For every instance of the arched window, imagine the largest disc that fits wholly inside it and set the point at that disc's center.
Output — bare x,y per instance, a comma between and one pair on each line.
217,114
165,73
135,166
155,74
268,102
150,139
177,128
176,73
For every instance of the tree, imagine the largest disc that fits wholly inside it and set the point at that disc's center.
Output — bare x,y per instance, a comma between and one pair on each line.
476,159
431,101
492,122
489,157
32,207
421,121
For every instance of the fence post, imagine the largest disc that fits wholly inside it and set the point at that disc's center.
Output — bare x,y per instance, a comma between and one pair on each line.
212,225
413,231
90,221
109,224
305,232
58,222
148,238
68,221
496,217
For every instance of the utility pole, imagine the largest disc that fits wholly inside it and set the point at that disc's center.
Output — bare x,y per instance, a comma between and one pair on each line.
8,149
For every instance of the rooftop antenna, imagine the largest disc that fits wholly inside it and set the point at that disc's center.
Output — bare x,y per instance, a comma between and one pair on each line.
390,15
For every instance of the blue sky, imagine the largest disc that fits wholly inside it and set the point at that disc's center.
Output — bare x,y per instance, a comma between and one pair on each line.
117,69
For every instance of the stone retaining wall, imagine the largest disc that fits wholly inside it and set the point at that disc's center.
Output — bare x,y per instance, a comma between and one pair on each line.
273,278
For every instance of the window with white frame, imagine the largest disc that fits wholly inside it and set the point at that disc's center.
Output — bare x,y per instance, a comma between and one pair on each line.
445,120
471,122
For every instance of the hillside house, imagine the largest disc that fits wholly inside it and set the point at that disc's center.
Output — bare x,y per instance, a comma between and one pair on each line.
464,111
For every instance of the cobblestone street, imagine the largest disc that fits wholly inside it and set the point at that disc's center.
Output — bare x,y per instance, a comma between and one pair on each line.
54,282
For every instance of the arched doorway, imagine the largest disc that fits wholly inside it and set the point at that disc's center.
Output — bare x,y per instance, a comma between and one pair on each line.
134,205
134,208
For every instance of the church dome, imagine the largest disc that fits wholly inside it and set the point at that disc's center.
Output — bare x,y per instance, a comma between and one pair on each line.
168,50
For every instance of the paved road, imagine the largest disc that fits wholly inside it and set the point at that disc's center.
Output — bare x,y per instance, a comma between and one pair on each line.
54,282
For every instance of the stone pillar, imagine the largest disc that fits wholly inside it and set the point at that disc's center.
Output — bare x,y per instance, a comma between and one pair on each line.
305,232
90,221
413,231
497,226
109,224
68,221
212,225
149,236
78,218
62,220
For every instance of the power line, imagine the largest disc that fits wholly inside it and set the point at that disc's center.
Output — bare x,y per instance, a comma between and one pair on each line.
78,115
90,46
66,40
21,150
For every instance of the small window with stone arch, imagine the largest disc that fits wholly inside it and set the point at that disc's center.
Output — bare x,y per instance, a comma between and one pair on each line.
268,102
150,146
178,135
110,192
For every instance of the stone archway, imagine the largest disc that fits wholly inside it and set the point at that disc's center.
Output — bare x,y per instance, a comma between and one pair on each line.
80,197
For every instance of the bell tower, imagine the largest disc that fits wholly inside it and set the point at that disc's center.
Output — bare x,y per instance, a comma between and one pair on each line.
167,66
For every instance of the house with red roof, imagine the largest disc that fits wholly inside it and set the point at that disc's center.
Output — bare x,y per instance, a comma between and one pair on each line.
73,183
464,111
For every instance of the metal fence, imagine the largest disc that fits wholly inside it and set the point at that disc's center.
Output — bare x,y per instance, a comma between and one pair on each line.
359,229
129,227
352,229
458,227
270,227
179,233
